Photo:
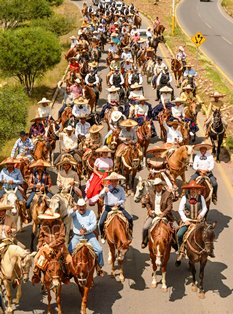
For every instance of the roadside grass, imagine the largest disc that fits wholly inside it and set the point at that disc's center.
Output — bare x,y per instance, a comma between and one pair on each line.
46,85
228,6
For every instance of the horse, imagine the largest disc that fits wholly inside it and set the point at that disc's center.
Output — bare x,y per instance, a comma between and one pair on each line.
154,42
84,69
207,191
60,203
141,59
184,129
41,150
177,69
90,95
163,116
117,236
178,161
15,266
141,189
51,138
53,281
160,247
137,21
65,116
216,133
159,29
114,142
199,245
84,262
144,135
72,52
38,207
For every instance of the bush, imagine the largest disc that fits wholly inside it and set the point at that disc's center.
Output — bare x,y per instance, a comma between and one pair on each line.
13,111
55,2
58,24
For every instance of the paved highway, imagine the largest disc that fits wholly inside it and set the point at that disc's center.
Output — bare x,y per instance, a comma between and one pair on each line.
109,296
209,19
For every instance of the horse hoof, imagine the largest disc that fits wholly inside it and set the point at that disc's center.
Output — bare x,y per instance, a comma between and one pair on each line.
154,285
15,301
194,288
201,295
164,289
122,278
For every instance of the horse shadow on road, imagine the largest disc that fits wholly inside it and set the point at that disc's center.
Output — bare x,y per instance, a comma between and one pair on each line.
221,219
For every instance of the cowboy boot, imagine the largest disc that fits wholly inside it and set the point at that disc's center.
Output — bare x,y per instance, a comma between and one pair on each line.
144,239
214,198
180,255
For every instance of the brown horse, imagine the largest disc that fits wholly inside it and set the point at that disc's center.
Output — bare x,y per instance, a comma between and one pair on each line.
41,151
159,29
177,69
114,140
65,116
52,281
109,58
184,129
72,52
141,60
137,21
84,69
38,207
178,161
163,116
84,261
199,245
160,247
90,95
207,192
144,134
117,236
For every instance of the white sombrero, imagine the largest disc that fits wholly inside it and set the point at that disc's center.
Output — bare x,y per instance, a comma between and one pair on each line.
116,115
49,214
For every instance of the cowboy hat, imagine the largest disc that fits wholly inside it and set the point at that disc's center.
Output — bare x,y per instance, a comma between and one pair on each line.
142,40
141,98
181,48
174,122
80,101
178,100
10,160
44,100
202,145
69,128
5,207
37,118
72,37
165,89
49,214
128,123
217,95
188,87
116,56
115,176
81,202
116,115
192,185
113,89
95,128
67,160
189,65
150,49
156,149
158,181
136,85
77,80
126,48
40,163
93,64
103,149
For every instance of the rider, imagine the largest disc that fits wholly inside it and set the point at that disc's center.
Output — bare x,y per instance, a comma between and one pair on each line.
39,180
80,107
93,80
112,48
44,110
74,41
181,55
159,67
76,89
127,65
114,122
51,242
164,79
82,127
68,143
94,139
5,223
37,129
114,197
192,209
158,202
189,73
84,225
216,104
187,94
204,164
174,136
165,101
23,146
135,77
127,54
11,178
112,99
116,78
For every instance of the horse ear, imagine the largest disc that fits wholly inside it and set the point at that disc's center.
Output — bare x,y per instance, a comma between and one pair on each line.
33,254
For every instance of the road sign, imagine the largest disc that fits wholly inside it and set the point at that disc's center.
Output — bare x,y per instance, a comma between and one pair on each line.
198,39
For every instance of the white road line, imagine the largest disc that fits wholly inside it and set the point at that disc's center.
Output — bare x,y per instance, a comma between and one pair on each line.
228,41
208,25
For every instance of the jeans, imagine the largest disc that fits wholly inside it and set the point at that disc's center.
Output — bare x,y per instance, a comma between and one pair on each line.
18,194
212,180
180,234
105,214
31,196
91,238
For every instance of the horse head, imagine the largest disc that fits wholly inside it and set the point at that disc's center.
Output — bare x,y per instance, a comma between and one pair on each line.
26,263
189,154
54,273
208,238
115,139
11,199
139,190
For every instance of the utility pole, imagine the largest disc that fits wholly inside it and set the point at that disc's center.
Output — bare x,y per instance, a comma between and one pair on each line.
173,16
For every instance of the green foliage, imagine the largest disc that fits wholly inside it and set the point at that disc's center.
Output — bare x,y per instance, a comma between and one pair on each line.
13,111
14,12
58,24
229,142
26,53
55,2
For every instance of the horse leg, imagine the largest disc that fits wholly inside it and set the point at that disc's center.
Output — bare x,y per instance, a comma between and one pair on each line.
84,300
164,284
193,271
58,299
33,235
18,294
49,298
154,277
218,149
8,296
120,263
201,277
112,259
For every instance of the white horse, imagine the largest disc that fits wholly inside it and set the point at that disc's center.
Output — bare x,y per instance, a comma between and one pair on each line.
61,203
141,189
10,198
15,266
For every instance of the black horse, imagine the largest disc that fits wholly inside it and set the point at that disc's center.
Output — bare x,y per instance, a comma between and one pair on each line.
216,133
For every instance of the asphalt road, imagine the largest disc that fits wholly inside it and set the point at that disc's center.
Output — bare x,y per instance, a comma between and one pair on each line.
136,296
209,19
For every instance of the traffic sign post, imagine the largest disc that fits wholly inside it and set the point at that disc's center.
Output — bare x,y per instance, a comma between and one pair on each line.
198,39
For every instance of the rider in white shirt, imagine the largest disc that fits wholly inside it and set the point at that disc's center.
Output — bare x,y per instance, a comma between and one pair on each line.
174,136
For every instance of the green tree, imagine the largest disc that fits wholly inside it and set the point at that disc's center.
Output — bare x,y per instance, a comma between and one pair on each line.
27,53
13,111
14,12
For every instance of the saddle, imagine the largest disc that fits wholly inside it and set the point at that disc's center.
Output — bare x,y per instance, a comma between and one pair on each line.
83,242
112,214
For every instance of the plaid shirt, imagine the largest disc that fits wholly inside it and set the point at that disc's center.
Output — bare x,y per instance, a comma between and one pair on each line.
36,130
44,180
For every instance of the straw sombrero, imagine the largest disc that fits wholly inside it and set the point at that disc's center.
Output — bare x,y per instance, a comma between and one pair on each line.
128,123
141,98
10,160
115,176
49,214
80,101
95,128
38,118
5,206
93,64
156,149
217,95
150,49
188,87
174,122
157,181
103,149
178,100
116,115
67,160
44,100
113,89
135,85
202,145
39,163
165,89
192,185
